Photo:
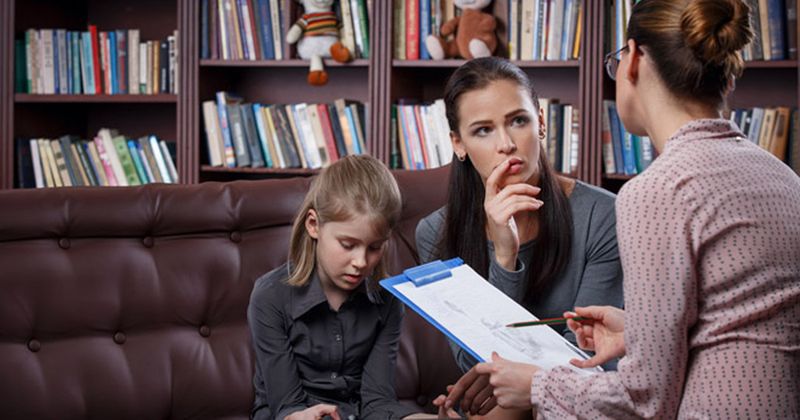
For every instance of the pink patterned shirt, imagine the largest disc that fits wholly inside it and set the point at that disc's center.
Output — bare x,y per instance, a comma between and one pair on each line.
709,238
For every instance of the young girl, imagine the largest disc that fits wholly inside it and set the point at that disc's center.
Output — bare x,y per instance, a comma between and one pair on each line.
324,333
709,239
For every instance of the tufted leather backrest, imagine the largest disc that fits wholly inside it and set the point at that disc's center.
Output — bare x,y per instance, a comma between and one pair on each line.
131,302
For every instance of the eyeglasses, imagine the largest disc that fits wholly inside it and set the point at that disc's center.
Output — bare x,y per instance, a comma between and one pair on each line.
612,62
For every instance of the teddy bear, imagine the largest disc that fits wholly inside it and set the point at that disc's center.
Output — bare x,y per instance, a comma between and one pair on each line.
317,36
474,33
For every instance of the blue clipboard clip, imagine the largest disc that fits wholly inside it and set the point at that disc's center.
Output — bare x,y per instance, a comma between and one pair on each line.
432,271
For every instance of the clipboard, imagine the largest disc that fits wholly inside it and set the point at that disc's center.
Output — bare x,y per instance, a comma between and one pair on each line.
473,313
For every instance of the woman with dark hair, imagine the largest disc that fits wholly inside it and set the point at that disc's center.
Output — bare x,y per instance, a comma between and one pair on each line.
709,239
546,240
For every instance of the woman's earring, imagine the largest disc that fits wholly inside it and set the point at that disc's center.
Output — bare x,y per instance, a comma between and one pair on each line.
461,158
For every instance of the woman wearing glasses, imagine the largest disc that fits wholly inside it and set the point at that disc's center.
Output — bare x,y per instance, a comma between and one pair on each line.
709,239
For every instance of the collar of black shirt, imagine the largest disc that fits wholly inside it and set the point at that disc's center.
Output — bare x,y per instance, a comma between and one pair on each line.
304,298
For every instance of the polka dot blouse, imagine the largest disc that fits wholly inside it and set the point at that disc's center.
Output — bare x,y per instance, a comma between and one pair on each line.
709,238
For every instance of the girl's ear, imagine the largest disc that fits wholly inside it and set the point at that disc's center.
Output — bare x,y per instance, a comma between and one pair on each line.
312,224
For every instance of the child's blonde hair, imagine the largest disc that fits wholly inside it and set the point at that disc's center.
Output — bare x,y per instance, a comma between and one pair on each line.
353,185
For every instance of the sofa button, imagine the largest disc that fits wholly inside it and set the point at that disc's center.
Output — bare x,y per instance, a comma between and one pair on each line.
34,345
119,337
148,241
205,331
236,237
334,375
63,243
422,400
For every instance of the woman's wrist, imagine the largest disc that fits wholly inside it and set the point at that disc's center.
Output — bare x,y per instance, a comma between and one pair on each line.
507,261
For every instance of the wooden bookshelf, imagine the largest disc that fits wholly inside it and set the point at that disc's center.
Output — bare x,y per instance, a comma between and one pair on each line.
24,98
378,82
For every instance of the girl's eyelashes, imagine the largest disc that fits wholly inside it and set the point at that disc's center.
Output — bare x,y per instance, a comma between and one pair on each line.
346,245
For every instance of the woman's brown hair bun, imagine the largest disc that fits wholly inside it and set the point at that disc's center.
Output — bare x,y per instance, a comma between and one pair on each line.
715,30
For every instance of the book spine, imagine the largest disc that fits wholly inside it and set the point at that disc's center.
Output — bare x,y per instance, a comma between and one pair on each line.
97,164
263,137
36,160
777,29
412,30
277,28
122,61
424,27
63,60
133,61
95,56
791,29
169,161
159,158
265,21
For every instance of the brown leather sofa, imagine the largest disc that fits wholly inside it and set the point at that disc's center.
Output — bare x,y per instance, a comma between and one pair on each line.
131,302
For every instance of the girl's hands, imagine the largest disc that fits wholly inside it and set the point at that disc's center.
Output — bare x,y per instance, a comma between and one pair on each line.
601,332
316,412
501,203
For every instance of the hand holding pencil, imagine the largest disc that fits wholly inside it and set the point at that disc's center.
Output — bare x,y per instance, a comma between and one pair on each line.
598,329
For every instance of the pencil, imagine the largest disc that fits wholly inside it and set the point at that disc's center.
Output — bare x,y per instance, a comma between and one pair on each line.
546,321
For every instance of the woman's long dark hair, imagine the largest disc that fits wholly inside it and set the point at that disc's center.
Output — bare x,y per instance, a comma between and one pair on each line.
464,233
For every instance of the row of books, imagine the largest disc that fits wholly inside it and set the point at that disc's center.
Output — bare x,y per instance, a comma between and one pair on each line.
774,24
772,129
109,159
282,136
255,30
544,29
623,153
421,135
413,21
562,141
58,61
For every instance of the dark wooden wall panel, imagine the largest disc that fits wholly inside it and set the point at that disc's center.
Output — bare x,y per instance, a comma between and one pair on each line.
188,121
6,94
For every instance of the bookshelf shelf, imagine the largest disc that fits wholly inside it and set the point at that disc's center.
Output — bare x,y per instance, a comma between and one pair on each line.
278,63
23,98
778,64
289,171
455,63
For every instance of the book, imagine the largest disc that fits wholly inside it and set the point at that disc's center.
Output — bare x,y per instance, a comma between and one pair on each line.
150,159
251,135
25,173
223,100
475,315
126,160
71,164
264,136
36,162
169,161
214,145
61,166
